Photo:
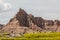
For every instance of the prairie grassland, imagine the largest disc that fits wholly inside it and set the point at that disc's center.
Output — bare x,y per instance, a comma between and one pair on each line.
36,36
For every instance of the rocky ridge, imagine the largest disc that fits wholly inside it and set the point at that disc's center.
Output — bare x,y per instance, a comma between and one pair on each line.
23,23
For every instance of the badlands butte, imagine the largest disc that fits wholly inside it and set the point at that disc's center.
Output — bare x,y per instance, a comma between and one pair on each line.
23,23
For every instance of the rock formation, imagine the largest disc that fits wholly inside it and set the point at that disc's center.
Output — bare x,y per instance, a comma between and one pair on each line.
1,26
21,23
40,22
21,16
49,22
24,23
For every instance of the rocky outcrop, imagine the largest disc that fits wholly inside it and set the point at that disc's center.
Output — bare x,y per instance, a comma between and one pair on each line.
40,22
1,26
49,22
21,16
22,23
57,22
25,23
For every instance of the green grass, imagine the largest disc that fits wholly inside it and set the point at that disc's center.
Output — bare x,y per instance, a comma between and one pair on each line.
39,35
36,36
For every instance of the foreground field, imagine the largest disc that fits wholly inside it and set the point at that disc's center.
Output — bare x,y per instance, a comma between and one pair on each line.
36,36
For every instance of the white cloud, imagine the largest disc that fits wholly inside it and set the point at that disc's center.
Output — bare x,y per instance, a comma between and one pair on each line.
4,5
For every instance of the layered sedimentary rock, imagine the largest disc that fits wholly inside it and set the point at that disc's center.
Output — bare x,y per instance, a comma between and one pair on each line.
49,22
21,16
40,22
23,22
1,26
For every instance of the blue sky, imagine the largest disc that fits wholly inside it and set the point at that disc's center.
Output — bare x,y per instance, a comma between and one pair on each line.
48,9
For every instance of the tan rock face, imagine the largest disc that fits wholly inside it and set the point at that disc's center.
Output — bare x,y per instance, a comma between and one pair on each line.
13,22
